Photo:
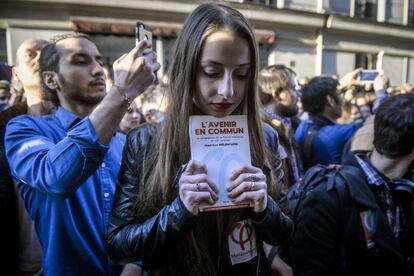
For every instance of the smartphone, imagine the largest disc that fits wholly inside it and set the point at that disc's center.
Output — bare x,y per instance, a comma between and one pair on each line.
369,75
142,32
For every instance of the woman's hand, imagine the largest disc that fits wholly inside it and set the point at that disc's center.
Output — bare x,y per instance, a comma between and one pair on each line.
195,188
248,184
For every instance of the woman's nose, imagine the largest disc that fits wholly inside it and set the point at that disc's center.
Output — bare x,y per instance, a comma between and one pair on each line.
225,88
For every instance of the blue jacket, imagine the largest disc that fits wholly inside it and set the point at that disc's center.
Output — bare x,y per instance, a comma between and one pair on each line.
328,144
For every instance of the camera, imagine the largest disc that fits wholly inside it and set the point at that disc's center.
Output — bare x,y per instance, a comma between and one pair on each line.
368,76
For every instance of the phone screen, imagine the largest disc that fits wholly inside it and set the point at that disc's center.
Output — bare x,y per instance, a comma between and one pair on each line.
368,75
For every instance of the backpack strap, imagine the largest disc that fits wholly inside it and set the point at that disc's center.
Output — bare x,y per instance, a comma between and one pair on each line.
318,123
303,187
356,180
307,144
351,176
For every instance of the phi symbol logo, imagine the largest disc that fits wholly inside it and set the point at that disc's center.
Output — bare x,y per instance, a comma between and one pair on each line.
241,234
242,242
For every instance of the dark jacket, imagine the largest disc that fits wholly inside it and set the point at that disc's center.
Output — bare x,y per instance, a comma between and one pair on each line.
9,229
329,238
157,240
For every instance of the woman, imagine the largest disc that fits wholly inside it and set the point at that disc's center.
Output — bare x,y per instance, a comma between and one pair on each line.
132,119
155,215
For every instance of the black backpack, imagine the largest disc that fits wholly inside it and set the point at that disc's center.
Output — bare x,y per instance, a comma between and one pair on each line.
321,174
334,177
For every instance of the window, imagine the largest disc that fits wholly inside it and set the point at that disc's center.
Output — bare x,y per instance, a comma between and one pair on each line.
410,77
264,2
3,47
167,45
394,11
264,51
393,68
411,13
339,7
366,8
365,61
305,5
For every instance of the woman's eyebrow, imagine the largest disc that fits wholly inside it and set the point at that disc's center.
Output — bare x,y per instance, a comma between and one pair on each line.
213,62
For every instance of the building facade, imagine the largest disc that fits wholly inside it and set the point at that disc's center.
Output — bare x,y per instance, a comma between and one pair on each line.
311,36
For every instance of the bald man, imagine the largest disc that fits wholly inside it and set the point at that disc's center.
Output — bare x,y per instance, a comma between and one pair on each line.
19,243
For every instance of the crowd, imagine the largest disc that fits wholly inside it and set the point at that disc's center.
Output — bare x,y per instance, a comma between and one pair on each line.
93,182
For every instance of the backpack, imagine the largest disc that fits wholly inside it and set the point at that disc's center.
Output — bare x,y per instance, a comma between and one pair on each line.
335,176
318,175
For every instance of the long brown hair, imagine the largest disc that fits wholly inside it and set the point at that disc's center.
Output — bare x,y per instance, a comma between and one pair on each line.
171,149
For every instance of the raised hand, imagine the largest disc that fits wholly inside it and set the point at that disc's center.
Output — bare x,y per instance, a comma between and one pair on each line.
135,72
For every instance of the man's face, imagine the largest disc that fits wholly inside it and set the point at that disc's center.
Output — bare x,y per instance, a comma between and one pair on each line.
27,68
80,78
287,105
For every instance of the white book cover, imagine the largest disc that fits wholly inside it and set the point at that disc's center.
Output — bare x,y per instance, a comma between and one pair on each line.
222,144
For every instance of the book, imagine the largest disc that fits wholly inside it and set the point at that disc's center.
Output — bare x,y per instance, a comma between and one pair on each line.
222,145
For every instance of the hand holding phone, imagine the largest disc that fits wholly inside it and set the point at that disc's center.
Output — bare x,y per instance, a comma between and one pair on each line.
368,76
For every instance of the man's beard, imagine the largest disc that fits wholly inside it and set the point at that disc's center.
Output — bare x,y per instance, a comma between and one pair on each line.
74,92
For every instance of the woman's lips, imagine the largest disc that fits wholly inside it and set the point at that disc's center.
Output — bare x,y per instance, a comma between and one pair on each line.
221,106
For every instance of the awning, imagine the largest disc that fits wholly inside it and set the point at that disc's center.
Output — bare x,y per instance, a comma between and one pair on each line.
119,28
267,37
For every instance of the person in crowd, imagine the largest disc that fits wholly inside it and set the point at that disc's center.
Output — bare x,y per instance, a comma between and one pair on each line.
320,138
363,138
366,227
20,244
65,164
155,216
279,97
4,94
132,119
350,113
153,115
153,103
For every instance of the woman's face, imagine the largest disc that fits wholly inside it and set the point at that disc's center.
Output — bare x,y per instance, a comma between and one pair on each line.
223,74
131,119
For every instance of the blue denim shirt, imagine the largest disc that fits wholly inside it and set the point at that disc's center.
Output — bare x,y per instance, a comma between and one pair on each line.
328,144
67,181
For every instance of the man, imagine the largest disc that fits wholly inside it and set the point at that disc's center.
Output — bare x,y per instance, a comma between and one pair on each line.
20,245
66,164
279,97
366,226
364,137
320,138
